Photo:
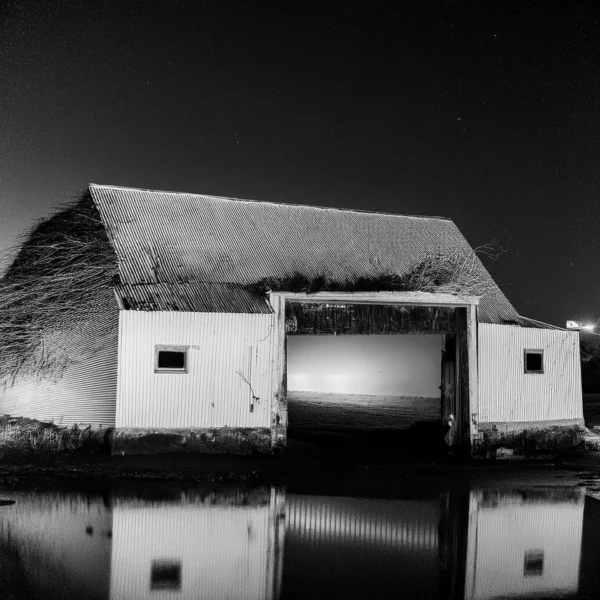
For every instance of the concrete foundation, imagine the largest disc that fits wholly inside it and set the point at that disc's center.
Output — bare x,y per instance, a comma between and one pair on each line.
222,440
279,438
527,438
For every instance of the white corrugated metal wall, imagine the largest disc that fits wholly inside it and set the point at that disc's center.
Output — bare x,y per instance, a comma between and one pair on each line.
224,350
86,392
508,394
84,395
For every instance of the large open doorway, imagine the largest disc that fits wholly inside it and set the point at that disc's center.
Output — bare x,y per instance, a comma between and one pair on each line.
363,382
390,372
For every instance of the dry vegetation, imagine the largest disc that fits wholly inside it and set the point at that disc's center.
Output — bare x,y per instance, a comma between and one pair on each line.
457,273
24,436
58,275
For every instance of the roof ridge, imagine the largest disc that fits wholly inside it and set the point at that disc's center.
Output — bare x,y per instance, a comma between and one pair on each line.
252,201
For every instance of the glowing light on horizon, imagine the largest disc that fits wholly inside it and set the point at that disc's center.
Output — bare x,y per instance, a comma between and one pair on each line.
337,382
299,381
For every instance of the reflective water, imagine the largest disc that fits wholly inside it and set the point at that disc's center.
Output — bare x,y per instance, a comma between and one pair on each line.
264,543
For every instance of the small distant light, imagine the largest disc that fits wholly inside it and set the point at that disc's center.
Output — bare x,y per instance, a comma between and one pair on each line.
579,326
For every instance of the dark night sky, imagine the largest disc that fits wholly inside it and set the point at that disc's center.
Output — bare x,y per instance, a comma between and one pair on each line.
487,113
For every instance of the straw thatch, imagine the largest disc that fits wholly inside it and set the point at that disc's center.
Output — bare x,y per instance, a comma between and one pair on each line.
61,272
458,273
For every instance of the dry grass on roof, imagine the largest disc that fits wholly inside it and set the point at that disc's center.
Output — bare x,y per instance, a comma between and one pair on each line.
58,275
457,273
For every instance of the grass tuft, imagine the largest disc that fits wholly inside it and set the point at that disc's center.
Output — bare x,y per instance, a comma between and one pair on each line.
457,273
22,436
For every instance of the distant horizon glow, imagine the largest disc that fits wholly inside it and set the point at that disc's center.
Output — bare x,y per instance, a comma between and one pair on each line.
372,365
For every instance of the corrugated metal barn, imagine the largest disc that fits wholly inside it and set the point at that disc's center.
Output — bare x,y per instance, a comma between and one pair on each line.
229,323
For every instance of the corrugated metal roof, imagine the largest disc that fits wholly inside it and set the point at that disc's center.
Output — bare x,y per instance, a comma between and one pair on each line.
177,237
535,324
191,297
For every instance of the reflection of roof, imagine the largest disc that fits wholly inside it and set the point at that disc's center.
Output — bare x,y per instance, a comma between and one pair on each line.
179,238
191,297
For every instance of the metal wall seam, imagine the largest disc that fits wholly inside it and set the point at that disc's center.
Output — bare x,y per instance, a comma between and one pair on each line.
508,394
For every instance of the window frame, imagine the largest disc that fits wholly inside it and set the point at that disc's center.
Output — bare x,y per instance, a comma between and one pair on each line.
158,348
161,575
533,563
531,371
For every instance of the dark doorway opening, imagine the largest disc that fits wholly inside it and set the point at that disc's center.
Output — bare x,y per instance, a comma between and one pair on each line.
376,375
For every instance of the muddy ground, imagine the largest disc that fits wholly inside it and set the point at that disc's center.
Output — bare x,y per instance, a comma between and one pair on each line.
332,467
323,463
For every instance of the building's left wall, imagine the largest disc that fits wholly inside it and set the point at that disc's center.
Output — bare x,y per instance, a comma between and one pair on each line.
221,403
86,392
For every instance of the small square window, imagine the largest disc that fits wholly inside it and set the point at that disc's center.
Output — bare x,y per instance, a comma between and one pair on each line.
533,563
165,575
534,361
170,359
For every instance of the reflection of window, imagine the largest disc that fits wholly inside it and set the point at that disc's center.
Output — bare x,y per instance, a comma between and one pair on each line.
170,359
533,563
165,575
534,361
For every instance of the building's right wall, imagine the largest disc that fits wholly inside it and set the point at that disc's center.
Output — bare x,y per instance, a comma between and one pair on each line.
528,411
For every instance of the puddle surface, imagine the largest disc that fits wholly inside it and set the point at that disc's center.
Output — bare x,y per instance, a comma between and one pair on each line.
264,543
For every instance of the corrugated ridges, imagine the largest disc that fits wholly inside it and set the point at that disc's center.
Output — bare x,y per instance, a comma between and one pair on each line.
508,394
227,356
49,532
371,522
178,238
192,297
502,535
222,552
85,393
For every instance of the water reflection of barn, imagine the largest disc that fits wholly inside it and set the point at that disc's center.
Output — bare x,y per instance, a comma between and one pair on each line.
185,347
524,544
265,544
213,546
